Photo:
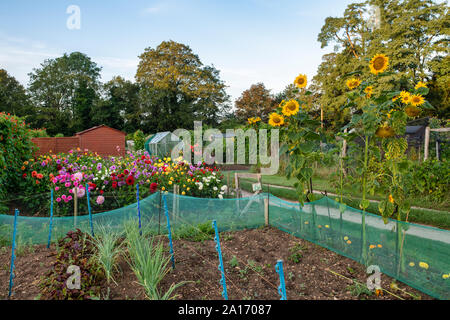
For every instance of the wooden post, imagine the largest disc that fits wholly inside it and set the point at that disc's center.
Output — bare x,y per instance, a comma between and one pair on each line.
174,202
236,182
437,149
75,206
427,142
321,116
344,147
266,211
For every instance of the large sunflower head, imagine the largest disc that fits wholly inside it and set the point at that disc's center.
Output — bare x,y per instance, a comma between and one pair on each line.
276,120
412,111
353,83
301,81
290,108
385,132
416,100
379,64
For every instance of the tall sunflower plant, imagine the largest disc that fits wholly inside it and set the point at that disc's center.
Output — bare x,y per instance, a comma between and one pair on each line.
300,138
379,119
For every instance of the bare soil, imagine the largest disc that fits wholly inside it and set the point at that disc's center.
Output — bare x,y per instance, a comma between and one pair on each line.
311,272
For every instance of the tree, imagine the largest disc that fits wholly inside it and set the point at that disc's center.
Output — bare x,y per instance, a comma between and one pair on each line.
255,102
13,97
178,86
60,88
120,108
414,33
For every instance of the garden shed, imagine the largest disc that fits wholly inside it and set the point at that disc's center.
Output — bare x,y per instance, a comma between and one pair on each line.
104,140
161,144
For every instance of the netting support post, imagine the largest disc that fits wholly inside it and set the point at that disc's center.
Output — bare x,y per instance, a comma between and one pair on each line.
89,209
138,209
282,286
51,220
75,206
166,210
266,211
13,256
221,268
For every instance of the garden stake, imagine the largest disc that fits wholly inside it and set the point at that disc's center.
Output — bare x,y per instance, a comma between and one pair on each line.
75,206
138,208
282,286
170,232
51,219
222,271
159,214
89,208
13,256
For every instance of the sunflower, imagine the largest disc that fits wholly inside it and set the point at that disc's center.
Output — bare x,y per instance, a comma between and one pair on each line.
412,111
301,81
420,84
417,100
384,132
290,108
379,64
368,90
276,120
405,97
353,83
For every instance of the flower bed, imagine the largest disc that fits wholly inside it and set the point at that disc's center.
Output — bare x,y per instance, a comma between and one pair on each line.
112,181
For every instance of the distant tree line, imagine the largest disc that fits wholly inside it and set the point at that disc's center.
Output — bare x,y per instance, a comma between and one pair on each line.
172,89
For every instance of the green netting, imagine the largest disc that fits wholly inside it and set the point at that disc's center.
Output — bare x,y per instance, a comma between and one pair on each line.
416,255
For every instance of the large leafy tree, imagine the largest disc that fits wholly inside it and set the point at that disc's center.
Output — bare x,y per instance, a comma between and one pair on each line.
63,90
413,33
120,107
257,101
13,96
177,88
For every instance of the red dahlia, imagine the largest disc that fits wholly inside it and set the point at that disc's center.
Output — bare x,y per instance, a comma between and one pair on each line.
130,180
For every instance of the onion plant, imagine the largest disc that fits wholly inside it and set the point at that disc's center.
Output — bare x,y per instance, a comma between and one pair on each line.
148,261
108,250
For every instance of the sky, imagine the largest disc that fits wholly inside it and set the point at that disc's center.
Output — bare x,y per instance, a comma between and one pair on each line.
248,41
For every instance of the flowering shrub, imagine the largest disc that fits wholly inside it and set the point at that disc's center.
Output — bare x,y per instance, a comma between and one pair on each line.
15,147
70,174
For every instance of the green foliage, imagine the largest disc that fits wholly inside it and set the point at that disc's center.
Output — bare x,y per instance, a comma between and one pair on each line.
430,178
13,97
199,233
358,289
108,250
63,91
234,262
139,140
296,253
412,31
15,148
148,262
177,88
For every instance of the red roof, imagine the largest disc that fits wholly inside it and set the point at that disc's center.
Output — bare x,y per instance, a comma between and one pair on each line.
97,127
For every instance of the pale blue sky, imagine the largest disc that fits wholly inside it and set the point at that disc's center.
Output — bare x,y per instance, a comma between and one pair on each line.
249,41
